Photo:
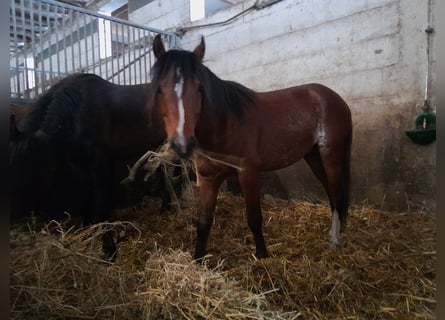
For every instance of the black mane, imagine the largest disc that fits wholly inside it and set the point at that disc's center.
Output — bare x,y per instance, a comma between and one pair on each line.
56,105
221,95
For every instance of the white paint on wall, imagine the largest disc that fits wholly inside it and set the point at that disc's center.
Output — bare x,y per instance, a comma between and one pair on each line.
197,9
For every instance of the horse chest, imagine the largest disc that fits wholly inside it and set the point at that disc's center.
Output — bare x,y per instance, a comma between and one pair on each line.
211,169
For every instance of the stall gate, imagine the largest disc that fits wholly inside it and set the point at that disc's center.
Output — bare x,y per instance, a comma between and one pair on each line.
50,40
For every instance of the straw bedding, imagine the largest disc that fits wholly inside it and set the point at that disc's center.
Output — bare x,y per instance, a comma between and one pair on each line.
385,269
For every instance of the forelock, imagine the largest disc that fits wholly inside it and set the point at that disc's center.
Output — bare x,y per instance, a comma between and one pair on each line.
172,60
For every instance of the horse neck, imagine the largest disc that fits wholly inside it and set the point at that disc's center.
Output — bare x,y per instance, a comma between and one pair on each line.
210,128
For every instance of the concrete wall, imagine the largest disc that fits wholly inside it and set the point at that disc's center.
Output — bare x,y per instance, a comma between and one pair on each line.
162,14
373,53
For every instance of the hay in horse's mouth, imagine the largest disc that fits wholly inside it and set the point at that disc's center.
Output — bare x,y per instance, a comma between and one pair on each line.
165,156
151,160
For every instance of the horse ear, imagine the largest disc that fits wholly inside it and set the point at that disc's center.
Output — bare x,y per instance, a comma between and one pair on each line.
200,50
158,47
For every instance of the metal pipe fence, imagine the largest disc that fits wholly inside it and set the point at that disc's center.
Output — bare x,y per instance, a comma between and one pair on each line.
50,40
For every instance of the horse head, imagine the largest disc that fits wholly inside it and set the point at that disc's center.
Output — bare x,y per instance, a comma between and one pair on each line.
179,93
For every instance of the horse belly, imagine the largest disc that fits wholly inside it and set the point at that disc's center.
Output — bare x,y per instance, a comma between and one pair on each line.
282,149
288,128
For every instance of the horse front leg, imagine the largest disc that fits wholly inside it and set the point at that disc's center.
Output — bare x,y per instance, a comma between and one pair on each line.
250,185
101,208
102,187
208,192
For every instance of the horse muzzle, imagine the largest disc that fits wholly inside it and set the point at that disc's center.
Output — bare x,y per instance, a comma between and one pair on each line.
183,146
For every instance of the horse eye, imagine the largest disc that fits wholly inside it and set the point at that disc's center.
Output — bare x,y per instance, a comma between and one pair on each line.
201,89
158,91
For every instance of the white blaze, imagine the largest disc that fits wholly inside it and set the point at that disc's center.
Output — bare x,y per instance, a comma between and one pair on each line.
178,89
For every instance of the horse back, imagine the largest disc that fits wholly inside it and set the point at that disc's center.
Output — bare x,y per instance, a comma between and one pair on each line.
285,124
303,108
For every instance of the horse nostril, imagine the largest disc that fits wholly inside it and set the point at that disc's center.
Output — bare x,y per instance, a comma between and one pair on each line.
183,146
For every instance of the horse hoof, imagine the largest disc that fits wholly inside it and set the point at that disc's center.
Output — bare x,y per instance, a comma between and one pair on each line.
109,259
261,255
198,257
199,261
335,245
109,247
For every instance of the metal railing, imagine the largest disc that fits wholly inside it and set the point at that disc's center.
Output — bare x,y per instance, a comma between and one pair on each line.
50,40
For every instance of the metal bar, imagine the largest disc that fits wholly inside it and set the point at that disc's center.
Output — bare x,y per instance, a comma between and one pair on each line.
98,39
33,47
139,48
48,22
92,44
85,40
42,58
123,53
71,20
114,19
126,66
106,46
129,52
118,52
113,55
144,61
79,51
23,69
64,45
25,62
14,19
56,28
149,64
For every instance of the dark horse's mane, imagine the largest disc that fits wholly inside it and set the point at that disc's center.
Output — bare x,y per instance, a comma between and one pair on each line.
52,107
221,95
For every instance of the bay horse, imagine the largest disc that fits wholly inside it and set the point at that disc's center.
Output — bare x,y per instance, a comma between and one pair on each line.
67,150
263,130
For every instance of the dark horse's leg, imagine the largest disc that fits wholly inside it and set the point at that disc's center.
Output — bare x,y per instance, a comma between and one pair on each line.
331,167
164,190
208,192
171,189
102,190
249,182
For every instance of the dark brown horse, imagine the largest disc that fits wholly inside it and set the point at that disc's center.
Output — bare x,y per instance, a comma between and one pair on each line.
263,130
68,150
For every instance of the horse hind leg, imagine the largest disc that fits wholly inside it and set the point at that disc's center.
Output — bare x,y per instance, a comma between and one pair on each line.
332,169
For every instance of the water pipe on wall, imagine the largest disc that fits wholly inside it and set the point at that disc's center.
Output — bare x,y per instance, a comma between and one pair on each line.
425,124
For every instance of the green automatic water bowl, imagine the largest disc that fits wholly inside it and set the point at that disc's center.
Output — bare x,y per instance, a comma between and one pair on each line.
425,131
